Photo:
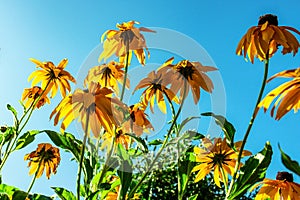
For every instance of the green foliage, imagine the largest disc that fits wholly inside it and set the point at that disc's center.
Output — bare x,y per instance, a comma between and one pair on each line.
26,139
13,111
226,126
124,171
7,135
64,194
252,172
289,163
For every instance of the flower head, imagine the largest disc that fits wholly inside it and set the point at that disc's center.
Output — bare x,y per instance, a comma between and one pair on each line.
94,104
120,137
156,88
52,76
286,95
281,188
32,94
263,40
107,75
44,157
186,75
217,157
138,122
120,42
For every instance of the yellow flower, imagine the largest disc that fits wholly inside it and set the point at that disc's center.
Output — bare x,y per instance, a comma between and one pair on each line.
280,189
263,40
119,134
54,76
44,157
94,102
186,75
156,88
217,157
107,75
128,38
32,94
138,122
287,94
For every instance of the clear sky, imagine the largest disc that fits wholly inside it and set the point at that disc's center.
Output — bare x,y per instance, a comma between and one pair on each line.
53,30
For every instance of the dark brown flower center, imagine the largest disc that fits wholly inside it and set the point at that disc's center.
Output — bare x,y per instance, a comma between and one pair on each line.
219,158
271,19
132,116
285,176
186,72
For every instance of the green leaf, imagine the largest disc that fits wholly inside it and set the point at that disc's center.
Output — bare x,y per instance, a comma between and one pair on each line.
226,127
140,142
13,110
194,197
19,195
185,121
289,163
65,141
64,194
4,196
155,142
26,139
252,172
39,197
7,135
9,190
125,174
125,170
94,195
189,134
184,171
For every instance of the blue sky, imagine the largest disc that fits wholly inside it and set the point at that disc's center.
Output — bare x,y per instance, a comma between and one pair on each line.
54,30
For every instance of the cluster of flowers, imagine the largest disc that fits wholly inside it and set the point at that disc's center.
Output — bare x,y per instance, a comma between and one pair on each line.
100,109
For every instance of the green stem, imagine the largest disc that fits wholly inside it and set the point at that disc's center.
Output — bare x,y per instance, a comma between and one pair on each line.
125,74
18,123
35,176
180,188
82,155
132,192
225,180
171,105
106,166
249,126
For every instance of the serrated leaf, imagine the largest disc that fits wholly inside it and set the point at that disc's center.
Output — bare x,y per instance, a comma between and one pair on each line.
64,194
26,139
289,163
226,127
252,172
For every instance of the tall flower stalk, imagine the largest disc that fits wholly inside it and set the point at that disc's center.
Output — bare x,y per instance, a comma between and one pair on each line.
252,119
262,41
